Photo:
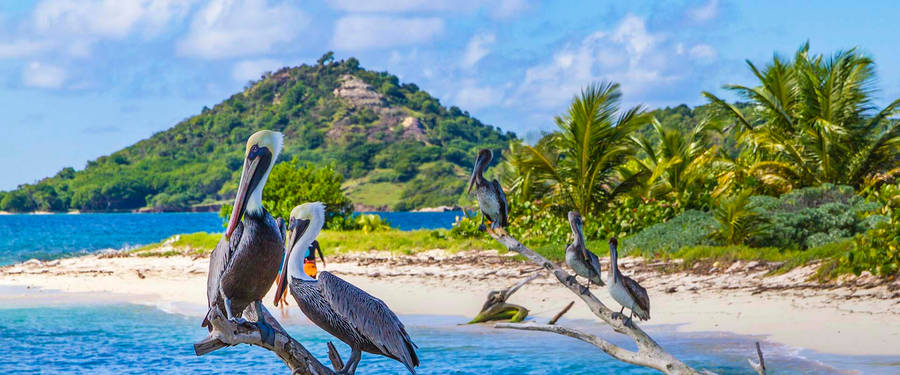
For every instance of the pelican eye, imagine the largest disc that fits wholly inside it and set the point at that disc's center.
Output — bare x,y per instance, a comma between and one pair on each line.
254,151
293,224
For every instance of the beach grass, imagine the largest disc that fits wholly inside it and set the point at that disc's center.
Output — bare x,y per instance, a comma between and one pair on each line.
337,242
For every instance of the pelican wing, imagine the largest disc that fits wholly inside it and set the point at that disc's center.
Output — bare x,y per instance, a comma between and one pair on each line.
638,293
504,207
593,262
219,260
371,317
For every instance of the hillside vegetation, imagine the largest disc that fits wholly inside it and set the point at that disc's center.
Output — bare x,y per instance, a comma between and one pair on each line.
370,127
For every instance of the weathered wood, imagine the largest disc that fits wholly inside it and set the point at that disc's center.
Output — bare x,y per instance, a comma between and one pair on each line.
760,367
496,308
289,350
649,353
561,313
335,357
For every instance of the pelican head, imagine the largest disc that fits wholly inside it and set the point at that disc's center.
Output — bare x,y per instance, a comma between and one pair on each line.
481,161
613,245
262,149
577,226
304,226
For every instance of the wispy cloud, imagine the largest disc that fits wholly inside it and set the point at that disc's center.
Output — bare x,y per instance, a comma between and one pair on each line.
477,49
247,70
359,32
238,28
497,8
705,12
45,76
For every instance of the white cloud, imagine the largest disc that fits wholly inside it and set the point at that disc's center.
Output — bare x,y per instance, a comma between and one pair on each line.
705,12
358,32
44,76
112,19
497,8
247,70
640,60
477,49
703,52
21,48
234,28
472,97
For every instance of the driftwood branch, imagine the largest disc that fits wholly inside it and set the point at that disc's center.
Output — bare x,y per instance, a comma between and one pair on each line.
561,313
760,367
496,308
294,354
649,353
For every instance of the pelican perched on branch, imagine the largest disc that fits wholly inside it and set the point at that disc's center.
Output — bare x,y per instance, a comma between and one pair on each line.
245,262
361,321
624,290
582,260
490,195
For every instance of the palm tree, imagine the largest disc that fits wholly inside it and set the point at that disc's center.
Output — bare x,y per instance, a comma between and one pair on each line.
818,118
737,219
579,162
677,164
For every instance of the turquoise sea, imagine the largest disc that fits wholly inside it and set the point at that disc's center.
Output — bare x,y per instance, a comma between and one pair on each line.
23,237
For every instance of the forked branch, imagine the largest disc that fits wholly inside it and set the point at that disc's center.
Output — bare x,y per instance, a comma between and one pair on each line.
649,353
294,354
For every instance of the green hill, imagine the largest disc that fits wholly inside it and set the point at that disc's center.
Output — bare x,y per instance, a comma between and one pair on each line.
396,145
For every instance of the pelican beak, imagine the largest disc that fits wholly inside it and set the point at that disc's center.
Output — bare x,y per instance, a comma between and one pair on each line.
295,231
250,177
478,168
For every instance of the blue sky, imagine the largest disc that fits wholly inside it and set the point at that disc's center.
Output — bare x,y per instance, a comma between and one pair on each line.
80,79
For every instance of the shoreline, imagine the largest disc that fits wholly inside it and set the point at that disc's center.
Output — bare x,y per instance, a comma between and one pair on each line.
852,316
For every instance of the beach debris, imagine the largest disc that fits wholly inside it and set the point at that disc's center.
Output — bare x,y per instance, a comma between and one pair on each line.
561,313
759,367
496,308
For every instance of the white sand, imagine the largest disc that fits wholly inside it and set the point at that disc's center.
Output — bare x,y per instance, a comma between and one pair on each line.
853,317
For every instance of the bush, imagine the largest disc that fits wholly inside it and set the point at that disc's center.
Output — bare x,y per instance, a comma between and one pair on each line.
691,228
878,250
814,216
372,223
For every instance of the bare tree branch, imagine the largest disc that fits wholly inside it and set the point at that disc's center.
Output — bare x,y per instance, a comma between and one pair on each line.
649,353
294,354
760,367
561,313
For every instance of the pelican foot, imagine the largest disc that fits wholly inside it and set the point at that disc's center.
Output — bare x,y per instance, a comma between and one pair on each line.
266,333
616,315
629,323
482,228
238,321
584,290
571,279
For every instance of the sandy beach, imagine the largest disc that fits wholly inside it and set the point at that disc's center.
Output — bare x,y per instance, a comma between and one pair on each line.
853,316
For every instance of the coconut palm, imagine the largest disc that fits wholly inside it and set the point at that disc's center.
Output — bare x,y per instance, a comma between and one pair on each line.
677,164
818,118
579,162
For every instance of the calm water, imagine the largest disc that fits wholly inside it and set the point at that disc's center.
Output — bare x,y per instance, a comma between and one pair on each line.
136,339
23,237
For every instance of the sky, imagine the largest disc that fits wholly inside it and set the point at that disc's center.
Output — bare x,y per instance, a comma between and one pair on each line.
83,78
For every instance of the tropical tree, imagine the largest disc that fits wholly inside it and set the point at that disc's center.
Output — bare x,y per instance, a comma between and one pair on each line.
818,121
738,219
674,164
578,163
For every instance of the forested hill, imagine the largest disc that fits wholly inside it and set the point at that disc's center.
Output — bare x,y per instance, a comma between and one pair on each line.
395,144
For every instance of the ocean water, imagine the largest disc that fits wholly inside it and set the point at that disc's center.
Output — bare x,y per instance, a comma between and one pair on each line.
23,237
132,339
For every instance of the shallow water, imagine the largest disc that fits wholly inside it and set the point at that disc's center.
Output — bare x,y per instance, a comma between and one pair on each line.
23,237
123,338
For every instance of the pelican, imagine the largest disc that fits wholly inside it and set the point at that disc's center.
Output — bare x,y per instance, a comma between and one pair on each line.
360,320
624,290
309,266
582,260
246,259
490,195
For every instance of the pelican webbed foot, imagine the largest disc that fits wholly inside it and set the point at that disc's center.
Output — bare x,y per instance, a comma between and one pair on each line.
230,315
571,279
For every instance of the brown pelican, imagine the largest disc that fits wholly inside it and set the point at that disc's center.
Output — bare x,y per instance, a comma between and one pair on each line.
582,260
245,262
309,266
361,321
624,290
490,195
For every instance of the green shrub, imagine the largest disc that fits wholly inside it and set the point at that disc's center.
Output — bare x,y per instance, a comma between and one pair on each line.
878,250
372,223
691,228
738,219
814,216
